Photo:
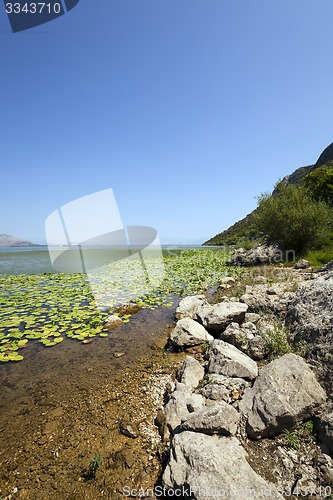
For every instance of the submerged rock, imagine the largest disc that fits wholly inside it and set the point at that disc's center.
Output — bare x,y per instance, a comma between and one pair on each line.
128,308
113,321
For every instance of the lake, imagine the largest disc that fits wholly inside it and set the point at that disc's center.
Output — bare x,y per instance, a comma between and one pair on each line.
61,404
36,260
38,304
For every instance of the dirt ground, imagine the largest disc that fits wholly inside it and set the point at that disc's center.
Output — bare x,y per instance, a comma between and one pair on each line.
64,406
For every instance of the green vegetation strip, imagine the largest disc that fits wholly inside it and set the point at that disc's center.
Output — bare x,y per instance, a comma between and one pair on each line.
49,307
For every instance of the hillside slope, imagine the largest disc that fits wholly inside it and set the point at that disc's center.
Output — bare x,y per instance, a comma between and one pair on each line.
245,228
7,240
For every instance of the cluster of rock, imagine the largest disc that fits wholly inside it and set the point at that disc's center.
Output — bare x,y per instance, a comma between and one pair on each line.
200,322
216,406
264,297
262,254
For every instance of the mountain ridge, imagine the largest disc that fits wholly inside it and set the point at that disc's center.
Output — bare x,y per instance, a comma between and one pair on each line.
7,240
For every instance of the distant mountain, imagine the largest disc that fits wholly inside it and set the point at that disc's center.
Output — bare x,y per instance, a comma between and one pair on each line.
245,228
12,241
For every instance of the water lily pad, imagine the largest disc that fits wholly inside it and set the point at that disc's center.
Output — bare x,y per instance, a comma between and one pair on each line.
22,343
47,342
47,308
17,357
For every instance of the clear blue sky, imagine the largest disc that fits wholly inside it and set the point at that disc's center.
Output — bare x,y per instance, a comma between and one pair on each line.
188,109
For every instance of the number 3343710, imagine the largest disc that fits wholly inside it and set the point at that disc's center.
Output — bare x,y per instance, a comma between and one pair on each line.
33,8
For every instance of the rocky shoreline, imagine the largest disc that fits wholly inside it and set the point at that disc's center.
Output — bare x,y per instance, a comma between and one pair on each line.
246,415
252,416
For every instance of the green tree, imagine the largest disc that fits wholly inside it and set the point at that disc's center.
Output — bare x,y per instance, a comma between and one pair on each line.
319,184
293,220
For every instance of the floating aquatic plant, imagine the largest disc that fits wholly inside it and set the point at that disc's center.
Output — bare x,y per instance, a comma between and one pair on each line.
49,307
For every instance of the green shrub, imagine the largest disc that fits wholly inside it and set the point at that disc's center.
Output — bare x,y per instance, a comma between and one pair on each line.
291,439
320,257
276,342
304,433
293,220
319,184
246,244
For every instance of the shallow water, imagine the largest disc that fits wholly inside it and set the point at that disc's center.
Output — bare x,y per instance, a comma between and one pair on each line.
61,405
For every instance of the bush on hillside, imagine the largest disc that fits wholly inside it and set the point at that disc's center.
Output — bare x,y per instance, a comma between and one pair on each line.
293,220
319,184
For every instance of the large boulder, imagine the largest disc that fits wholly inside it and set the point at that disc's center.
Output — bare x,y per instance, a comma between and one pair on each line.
191,372
217,317
217,418
188,333
182,402
189,306
203,467
284,394
324,425
327,267
226,359
215,392
310,314
236,336
222,388
310,318
302,264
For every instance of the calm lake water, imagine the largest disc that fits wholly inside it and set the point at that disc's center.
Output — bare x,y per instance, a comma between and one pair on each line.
36,260
25,260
